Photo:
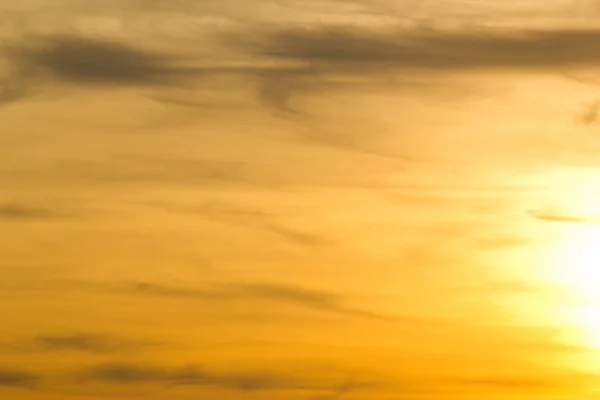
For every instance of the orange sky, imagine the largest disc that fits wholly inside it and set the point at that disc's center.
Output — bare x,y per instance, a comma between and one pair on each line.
299,199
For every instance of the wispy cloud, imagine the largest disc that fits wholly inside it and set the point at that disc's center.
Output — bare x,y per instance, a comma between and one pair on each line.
17,378
126,373
253,218
297,59
285,294
93,343
354,57
354,50
21,211
86,60
124,169
590,115
518,382
555,216
89,61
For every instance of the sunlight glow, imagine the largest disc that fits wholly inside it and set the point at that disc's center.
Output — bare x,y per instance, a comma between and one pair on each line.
579,260
574,265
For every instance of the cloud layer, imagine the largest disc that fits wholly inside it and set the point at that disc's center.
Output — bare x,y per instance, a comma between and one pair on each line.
294,199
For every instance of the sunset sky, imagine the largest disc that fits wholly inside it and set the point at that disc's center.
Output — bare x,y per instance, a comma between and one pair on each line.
299,199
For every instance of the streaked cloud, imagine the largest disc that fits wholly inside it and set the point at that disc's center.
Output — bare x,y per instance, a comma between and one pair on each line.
122,373
18,378
22,211
254,218
259,200
286,294
555,216
86,342
347,49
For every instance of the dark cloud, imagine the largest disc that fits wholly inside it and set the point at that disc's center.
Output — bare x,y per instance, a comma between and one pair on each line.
121,373
293,295
357,58
308,58
82,60
18,211
79,60
85,342
340,50
96,61
126,373
17,378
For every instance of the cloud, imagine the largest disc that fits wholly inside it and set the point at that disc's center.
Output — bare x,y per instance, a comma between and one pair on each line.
551,381
94,61
233,214
341,391
298,237
194,375
159,170
552,216
85,342
286,61
123,373
126,373
590,116
350,57
285,294
18,211
17,378
341,50
516,383
84,60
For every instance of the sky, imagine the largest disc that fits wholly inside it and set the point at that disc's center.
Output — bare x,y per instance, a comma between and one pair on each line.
299,199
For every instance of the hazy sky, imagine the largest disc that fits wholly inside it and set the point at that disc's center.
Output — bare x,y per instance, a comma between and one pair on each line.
299,199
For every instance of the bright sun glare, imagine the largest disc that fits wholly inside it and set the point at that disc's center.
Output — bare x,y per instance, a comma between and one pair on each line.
575,266
579,272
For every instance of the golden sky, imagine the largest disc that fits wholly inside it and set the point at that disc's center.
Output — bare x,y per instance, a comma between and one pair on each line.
299,199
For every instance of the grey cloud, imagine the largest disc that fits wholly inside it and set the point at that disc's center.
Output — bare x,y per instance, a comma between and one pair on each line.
20,211
83,60
359,58
17,378
294,295
93,343
312,57
122,373
125,373
276,89
95,61
339,50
